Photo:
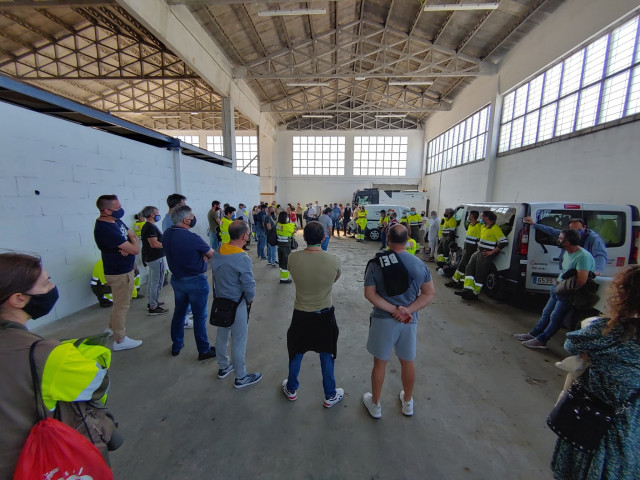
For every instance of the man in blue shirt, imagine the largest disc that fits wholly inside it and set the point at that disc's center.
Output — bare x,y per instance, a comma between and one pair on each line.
335,216
575,258
589,240
261,234
118,246
187,255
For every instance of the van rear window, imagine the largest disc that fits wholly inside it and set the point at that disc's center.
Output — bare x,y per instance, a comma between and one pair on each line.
611,226
505,216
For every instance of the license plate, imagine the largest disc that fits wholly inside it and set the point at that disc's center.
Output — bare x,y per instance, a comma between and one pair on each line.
544,280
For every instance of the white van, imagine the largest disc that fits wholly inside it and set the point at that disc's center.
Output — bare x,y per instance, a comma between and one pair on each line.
530,262
372,232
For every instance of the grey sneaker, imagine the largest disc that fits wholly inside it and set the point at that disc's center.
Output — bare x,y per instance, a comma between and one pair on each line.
249,379
534,343
330,402
374,410
523,337
407,407
224,372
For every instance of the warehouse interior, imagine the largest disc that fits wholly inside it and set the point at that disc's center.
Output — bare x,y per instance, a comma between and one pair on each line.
243,102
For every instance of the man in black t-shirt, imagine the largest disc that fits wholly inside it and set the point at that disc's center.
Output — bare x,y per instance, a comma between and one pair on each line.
119,246
153,257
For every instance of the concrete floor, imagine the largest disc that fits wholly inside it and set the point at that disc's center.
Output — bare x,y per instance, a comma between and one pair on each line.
481,399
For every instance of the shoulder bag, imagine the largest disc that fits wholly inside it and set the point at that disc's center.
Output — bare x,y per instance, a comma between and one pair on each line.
582,419
294,243
223,311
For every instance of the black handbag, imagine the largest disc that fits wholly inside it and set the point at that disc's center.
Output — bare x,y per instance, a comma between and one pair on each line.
223,311
582,419
294,243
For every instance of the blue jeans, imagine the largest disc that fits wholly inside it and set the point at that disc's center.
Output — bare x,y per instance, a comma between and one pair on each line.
551,320
272,254
213,241
383,239
261,239
336,226
194,292
238,332
325,243
155,281
328,380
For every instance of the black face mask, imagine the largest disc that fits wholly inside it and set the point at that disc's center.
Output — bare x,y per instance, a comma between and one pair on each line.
192,222
41,304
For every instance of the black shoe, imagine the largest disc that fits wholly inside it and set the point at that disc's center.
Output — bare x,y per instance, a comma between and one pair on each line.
460,292
175,353
452,284
286,281
159,304
106,304
207,355
468,295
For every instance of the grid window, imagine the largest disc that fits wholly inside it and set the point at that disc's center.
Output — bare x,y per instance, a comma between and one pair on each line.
191,139
247,154
380,156
215,144
318,155
597,84
467,141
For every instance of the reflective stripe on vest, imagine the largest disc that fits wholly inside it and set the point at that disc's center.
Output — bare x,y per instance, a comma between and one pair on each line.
473,234
490,237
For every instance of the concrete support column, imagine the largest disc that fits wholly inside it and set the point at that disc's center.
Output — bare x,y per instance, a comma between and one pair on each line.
229,129
177,172
493,141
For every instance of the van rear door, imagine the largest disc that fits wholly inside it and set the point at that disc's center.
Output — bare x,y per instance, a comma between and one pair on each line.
612,222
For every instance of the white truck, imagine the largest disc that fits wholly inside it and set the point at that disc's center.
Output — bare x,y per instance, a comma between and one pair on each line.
530,261
377,196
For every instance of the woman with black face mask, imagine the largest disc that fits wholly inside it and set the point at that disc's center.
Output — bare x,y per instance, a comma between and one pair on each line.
72,385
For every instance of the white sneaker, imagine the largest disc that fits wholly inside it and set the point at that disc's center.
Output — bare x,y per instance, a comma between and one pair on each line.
126,344
407,407
188,322
374,410
109,331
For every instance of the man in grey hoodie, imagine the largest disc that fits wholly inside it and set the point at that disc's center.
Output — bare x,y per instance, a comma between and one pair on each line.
233,279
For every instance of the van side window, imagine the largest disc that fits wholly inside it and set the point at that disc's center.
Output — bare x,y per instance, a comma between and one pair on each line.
505,216
611,226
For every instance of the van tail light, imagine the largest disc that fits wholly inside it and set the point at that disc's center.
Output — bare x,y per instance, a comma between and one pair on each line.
523,240
633,258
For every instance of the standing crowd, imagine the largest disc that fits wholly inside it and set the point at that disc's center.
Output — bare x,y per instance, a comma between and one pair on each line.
397,283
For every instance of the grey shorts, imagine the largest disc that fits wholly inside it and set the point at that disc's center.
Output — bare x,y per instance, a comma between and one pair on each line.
386,334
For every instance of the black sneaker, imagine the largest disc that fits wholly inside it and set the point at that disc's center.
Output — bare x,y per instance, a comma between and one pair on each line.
207,355
468,295
249,379
452,284
159,304
157,311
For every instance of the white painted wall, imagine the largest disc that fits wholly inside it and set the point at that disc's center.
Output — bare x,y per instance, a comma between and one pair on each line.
603,160
71,165
325,189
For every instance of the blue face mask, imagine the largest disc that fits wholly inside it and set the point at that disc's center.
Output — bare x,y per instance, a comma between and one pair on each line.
482,221
156,218
581,231
118,213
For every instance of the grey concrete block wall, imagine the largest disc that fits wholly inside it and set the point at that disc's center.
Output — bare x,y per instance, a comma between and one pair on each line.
70,166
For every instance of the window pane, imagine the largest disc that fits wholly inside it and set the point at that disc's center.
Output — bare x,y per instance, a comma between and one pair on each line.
572,73
623,40
507,107
566,114
520,102
594,67
551,84
634,93
530,128
505,135
535,93
516,133
615,90
588,107
547,121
